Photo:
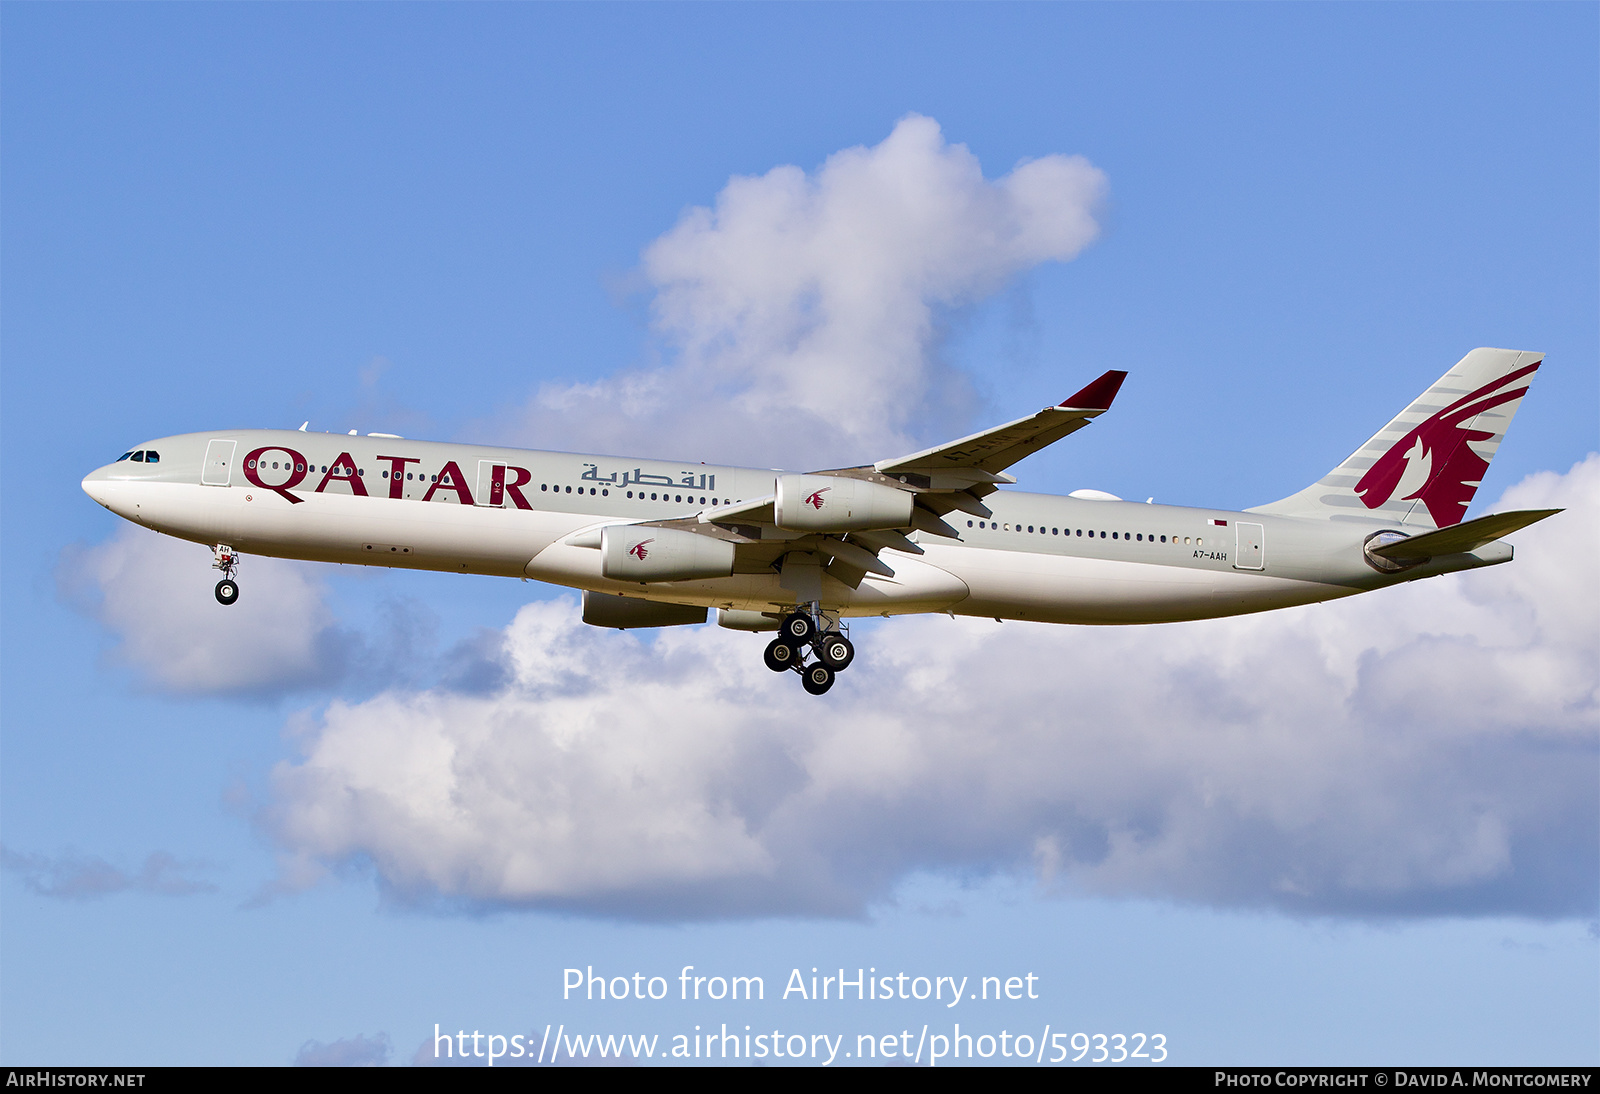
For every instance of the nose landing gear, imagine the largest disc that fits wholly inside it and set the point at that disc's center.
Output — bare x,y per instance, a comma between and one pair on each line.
799,634
227,561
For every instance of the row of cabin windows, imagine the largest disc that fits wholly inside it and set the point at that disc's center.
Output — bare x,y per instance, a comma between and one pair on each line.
148,455
264,464
678,498
1138,537
420,477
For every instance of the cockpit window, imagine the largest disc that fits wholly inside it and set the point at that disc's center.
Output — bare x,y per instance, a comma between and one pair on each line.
138,457
151,456
124,456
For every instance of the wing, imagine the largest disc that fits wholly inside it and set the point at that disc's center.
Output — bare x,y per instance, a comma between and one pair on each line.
950,477
994,450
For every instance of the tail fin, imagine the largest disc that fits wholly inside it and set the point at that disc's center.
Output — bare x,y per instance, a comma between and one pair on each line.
1423,468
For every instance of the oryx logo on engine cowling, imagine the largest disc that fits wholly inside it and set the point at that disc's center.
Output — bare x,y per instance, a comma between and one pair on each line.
638,551
814,499
1435,462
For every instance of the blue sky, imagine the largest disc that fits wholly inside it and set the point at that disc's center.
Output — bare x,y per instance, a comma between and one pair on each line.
438,221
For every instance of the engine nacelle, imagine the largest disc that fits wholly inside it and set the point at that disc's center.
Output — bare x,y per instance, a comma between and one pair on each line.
826,503
625,612
629,552
736,620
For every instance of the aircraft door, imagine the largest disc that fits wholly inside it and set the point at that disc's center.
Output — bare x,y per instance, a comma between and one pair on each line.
491,484
1250,548
218,468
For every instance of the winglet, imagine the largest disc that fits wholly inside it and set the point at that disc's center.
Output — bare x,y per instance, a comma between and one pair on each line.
1098,395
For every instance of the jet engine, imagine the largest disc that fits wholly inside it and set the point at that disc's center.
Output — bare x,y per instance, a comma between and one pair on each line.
625,613
825,503
633,552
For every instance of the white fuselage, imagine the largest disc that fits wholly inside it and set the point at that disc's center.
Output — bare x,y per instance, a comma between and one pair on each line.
425,505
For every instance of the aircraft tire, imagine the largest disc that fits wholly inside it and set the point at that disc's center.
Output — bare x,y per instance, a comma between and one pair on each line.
817,679
781,656
836,652
227,591
797,628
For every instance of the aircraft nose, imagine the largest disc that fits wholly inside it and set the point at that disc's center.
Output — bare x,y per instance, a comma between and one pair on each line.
95,484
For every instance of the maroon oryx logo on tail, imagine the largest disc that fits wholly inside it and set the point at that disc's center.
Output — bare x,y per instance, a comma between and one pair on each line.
814,499
638,551
1435,461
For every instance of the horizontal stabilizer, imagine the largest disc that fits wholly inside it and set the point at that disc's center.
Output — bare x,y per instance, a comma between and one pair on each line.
1460,538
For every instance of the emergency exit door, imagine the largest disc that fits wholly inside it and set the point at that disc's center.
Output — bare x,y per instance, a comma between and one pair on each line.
1249,552
218,468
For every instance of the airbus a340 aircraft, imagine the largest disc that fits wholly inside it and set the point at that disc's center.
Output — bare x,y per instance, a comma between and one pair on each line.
653,543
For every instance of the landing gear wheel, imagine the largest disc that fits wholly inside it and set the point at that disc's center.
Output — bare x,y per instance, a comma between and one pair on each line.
797,628
836,652
227,591
780,656
817,679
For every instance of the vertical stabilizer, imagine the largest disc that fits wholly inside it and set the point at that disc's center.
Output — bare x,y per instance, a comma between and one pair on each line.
1423,468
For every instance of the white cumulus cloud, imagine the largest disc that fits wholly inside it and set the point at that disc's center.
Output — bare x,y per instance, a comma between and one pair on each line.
801,309
155,593
1428,748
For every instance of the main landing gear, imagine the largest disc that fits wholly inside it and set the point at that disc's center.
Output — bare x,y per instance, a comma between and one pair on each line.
799,635
227,561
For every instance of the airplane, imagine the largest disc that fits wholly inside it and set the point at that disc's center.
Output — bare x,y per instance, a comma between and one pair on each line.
653,543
